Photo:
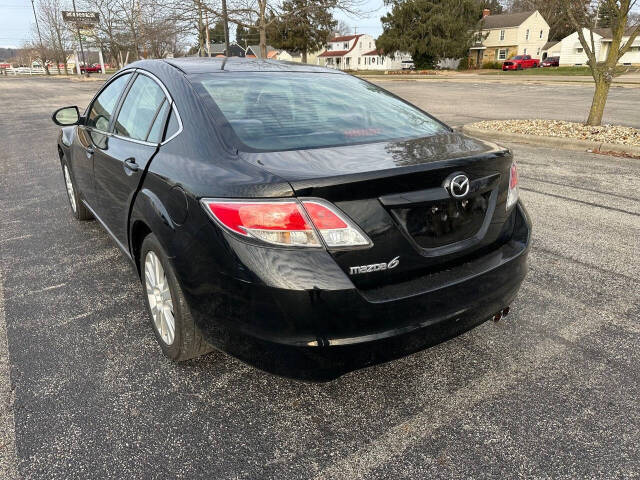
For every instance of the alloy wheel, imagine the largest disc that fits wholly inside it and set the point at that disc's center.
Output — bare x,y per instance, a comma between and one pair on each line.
159,296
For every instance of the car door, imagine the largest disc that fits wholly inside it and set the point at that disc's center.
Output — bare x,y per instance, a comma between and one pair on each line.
135,138
93,135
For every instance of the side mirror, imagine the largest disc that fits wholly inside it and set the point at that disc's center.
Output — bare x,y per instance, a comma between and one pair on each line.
66,116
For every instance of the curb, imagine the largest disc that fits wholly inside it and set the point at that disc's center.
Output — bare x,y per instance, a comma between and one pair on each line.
555,142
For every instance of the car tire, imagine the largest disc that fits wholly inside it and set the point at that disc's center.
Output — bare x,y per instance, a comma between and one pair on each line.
158,281
79,211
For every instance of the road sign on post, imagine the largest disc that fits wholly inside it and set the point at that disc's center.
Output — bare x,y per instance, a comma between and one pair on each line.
81,19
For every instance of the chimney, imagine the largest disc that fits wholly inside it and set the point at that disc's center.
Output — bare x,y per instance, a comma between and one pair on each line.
486,12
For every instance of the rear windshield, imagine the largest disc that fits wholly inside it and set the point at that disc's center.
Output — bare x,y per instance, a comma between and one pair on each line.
284,110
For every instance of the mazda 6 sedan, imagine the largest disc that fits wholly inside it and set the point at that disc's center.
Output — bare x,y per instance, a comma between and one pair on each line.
298,218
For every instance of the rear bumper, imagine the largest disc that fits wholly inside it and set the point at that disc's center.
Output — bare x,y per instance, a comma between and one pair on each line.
322,332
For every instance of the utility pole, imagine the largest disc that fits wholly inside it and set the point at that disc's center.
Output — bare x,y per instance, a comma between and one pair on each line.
75,13
225,21
39,37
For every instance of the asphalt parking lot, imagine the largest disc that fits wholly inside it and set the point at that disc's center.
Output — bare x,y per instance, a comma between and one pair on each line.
552,391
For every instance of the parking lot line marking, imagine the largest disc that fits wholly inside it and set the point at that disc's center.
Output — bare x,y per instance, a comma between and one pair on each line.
421,426
8,458
580,201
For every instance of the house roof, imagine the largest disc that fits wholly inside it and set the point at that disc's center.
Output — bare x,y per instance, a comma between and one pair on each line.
505,20
255,50
607,33
344,38
339,53
333,53
548,45
373,52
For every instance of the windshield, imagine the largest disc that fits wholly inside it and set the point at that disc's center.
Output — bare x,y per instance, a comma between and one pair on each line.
286,110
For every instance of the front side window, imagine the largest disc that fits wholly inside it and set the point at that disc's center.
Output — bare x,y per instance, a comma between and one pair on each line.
139,110
104,105
285,111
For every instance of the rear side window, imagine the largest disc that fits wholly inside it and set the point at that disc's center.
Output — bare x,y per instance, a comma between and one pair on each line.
103,106
285,111
140,109
155,134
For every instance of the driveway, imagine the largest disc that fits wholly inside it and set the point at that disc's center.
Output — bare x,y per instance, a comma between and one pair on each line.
552,391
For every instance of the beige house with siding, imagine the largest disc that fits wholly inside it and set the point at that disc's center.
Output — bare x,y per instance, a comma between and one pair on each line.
500,37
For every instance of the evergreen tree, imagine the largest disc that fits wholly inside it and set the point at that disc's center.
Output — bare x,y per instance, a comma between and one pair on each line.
304,26
429,29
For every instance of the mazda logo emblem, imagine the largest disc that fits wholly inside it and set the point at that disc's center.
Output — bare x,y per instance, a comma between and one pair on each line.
459,186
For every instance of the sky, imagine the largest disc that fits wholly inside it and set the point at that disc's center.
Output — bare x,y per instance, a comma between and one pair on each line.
16,20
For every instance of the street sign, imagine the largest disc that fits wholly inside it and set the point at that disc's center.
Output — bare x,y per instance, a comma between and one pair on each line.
81,18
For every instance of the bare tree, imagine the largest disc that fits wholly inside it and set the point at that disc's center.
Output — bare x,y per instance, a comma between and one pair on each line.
55,33
261,14
584,17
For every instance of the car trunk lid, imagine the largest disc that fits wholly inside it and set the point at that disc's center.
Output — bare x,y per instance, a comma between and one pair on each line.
396,192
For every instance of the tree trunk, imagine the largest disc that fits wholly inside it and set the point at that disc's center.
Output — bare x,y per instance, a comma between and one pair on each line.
304,56
263,40
599,102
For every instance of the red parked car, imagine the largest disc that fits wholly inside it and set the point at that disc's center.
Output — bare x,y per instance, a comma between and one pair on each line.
95,68
551,62
520,62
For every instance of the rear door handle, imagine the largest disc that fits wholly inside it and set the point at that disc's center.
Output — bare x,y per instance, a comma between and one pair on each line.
130,164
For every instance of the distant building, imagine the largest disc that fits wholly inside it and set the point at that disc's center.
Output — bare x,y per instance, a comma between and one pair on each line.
253,51
571,52
500,37
358,52
218,49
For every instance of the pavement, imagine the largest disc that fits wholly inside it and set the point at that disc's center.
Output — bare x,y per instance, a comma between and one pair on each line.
550,392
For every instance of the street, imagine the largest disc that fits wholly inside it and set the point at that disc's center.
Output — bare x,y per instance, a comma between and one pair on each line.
551,391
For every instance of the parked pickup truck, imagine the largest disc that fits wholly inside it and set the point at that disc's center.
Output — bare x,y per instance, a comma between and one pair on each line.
521,61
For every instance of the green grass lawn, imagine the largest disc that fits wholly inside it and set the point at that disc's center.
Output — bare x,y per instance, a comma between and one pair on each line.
569,71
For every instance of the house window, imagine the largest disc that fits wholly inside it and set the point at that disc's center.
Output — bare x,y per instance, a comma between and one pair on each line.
358,60
579,49
369,44
347,61
541,33
502,54
538,54
345,45
526,35
501,34
525,51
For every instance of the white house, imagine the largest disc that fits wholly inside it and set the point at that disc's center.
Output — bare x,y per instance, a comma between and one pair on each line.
358,52
572,53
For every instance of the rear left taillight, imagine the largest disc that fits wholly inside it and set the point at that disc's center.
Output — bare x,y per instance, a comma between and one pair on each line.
512,196
286,222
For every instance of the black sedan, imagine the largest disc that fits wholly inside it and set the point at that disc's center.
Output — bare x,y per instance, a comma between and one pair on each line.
301,219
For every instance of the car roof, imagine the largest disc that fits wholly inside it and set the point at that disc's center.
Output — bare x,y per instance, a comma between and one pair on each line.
191,65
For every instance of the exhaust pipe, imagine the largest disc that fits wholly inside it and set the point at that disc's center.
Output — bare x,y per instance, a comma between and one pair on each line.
502,313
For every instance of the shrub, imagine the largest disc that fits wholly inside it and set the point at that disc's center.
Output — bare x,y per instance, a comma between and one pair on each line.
492,65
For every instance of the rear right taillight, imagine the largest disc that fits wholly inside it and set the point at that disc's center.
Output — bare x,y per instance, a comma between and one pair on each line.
287,222
512,196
